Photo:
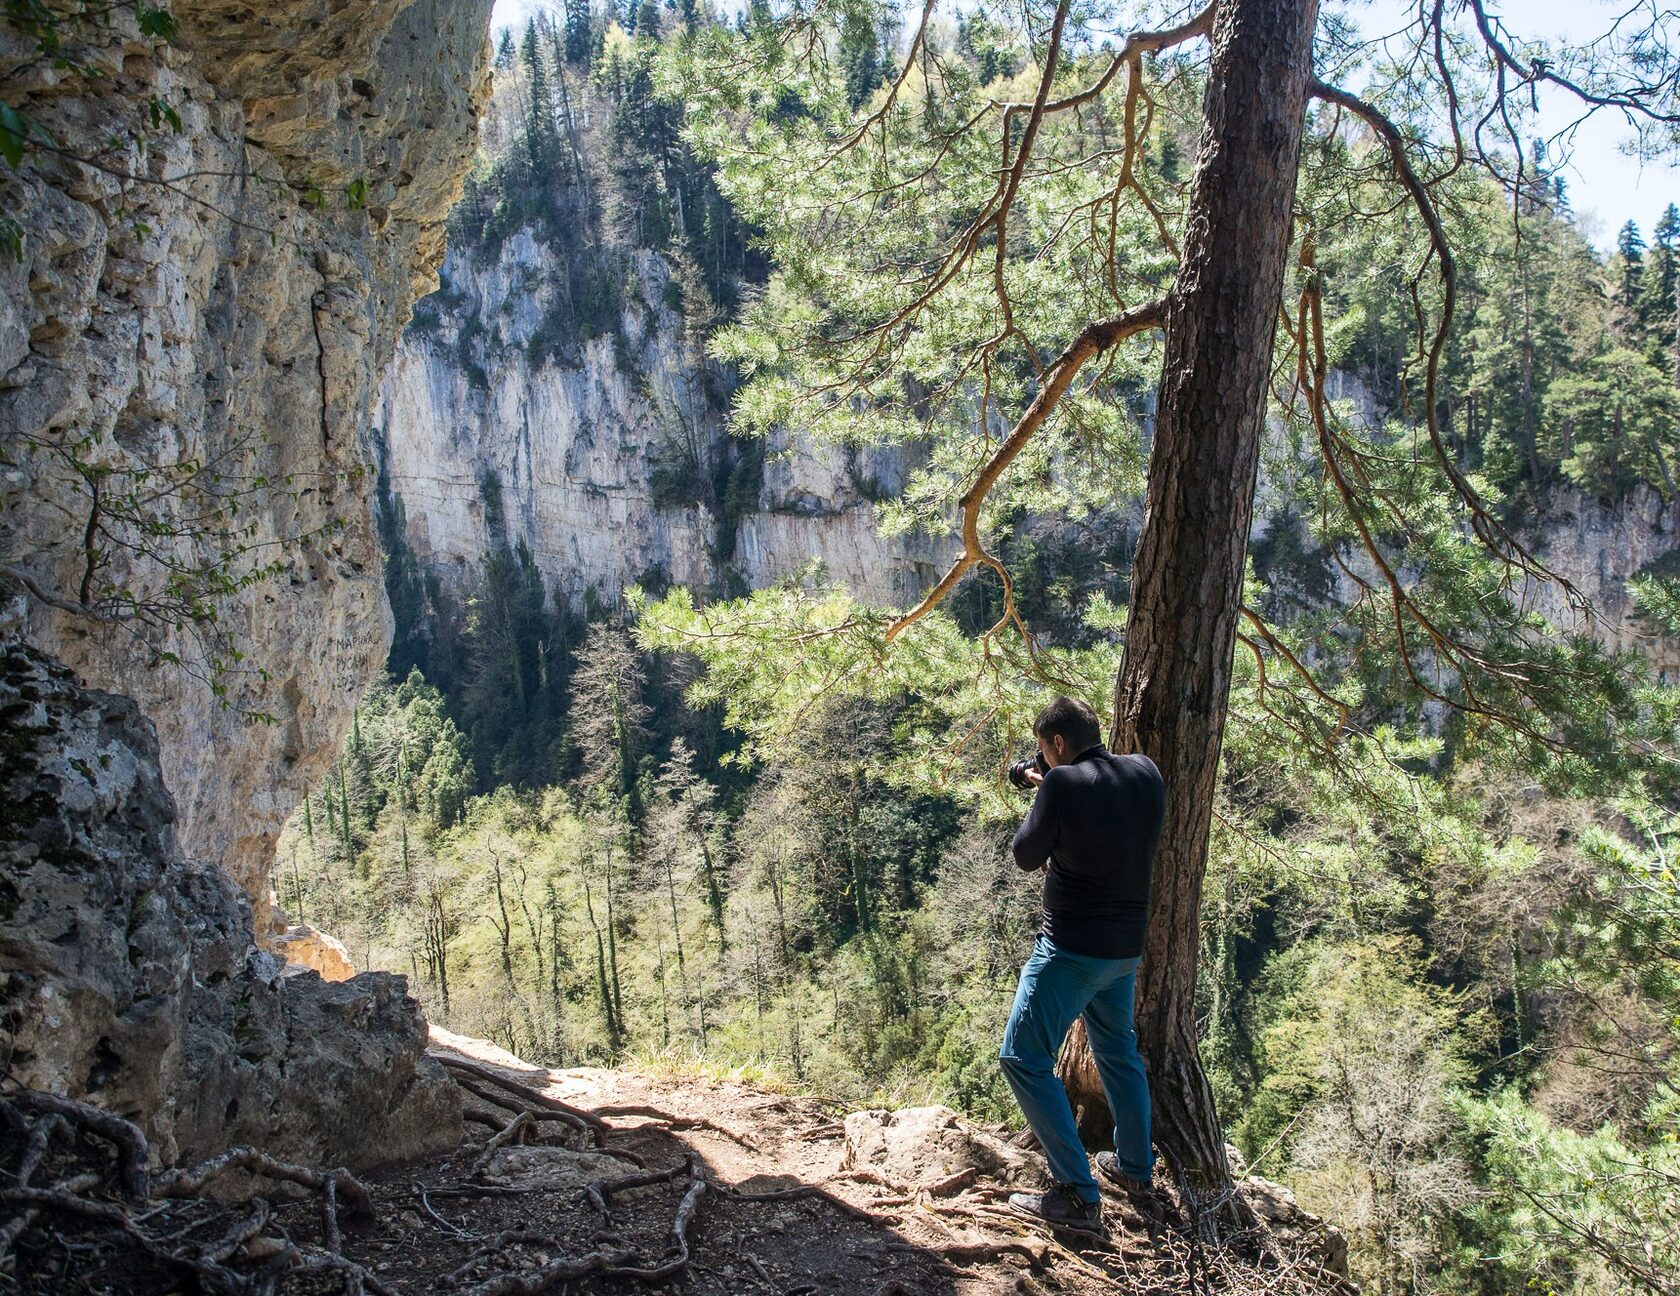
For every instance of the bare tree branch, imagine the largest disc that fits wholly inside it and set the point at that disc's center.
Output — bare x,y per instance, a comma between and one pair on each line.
1093,339
1637,101
1492,532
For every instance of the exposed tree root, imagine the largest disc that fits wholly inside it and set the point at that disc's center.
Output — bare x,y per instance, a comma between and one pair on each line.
68,1221
952,1183
677,1123
133,1154
331,1184
38,1138
615,1262
523,1100
599,1191
163,1219
478,1115
512,1132
865,1175
534,1097
421,1192
231,1246
501,1103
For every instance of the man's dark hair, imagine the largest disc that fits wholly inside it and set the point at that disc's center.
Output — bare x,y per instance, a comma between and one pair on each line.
1073,720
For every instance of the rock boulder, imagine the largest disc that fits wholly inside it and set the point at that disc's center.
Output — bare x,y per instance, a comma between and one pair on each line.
129,976
920,1146
306,949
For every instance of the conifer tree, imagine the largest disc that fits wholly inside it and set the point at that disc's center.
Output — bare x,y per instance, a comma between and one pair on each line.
1659,304
680,829
860,56
647,20
579,43
872,299
1627,295
609,712
540,136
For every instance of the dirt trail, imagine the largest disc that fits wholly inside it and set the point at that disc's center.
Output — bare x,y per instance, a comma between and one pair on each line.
587,1182
839,1239
849,1227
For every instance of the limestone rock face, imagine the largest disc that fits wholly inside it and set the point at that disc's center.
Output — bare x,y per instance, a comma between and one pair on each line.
304,947
1294,1229
129,976
573,440
226,297
1598,547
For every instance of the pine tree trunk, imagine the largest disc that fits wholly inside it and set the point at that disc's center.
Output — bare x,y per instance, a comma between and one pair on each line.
676,937
1529,436
438,941
1175,680
557,1003
612,951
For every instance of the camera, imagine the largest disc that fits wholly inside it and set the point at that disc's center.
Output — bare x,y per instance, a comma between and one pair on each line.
1018,771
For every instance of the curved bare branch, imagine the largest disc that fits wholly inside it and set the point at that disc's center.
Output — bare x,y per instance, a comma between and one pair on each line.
1538,71
1488,529
1137,45
1093,339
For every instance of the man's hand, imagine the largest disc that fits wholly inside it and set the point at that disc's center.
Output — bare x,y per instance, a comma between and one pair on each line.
1037,833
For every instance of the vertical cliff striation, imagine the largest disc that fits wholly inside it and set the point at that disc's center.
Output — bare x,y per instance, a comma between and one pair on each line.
190,349
603,452
1599,547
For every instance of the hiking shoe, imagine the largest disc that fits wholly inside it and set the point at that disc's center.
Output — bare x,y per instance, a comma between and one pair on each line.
1060,1207
1108,1166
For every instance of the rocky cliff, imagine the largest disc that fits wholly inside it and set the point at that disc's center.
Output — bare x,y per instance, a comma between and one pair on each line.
574,442
128,973
190,347
1599,547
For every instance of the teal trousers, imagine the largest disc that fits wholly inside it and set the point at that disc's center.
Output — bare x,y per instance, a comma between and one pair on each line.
1057,986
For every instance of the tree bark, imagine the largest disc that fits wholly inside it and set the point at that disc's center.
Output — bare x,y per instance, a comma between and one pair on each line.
1175,681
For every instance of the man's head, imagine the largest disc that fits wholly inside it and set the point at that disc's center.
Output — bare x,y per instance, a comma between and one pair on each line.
1066,728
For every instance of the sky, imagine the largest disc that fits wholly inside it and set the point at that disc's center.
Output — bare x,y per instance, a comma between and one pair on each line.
1603,181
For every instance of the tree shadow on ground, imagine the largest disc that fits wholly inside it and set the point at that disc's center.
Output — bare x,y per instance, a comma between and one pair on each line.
718,1189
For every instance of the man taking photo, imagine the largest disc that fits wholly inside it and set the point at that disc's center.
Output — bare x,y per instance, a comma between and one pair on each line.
1094,826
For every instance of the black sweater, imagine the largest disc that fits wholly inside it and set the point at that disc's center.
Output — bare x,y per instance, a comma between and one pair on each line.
1096,822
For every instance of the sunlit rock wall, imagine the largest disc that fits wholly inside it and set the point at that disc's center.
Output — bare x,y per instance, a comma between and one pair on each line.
230,296
1598,547
572,447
